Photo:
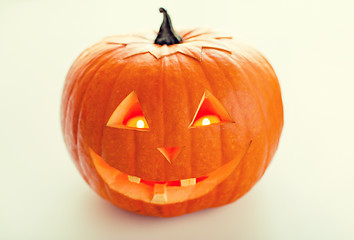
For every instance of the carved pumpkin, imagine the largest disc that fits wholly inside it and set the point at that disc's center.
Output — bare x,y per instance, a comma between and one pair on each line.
164,128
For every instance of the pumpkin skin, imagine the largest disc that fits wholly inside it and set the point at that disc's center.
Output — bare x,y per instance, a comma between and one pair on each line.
169,82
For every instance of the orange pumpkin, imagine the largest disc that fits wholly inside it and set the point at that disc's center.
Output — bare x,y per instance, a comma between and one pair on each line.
167,127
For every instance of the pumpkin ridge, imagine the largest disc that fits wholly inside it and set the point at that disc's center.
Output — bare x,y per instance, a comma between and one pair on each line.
258,101
268,128
246,76
196,109
268,69
229,80
228,111
255,94
187,96
69,92
210,80
89,63
81,76
163,86
75,114
93,78
263,108
240,167
122,67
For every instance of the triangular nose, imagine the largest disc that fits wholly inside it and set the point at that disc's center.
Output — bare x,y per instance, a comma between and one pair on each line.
170,153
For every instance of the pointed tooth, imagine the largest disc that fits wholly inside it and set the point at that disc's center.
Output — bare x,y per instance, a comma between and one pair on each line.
160,194
134,179
188,182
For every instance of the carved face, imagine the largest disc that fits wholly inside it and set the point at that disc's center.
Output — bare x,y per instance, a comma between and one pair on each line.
165,130
148,183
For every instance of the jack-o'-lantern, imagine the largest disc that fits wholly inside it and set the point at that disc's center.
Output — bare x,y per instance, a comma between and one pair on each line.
166,127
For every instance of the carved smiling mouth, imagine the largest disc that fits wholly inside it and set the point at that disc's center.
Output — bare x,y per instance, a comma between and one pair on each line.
162,192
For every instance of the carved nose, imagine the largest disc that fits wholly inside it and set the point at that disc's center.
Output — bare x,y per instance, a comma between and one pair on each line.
170,153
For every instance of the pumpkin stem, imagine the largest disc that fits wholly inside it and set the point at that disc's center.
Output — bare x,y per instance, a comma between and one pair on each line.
167,34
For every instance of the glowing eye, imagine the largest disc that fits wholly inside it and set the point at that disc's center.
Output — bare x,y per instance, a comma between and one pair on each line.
137,122
207,120
210,111
128,115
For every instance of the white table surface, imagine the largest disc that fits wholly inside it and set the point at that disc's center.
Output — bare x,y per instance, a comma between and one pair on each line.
308,190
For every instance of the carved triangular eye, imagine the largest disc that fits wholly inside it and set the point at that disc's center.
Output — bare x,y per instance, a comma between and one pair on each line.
128,115
210,111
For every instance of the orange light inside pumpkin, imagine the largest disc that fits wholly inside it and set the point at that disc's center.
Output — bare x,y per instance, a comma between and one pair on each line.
210,111
207,120
128,115
137,122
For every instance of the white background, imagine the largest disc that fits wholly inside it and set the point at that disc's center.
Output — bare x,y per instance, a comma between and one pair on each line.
308,190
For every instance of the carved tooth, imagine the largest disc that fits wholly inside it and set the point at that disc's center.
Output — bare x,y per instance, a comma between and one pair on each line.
188,182
192,181
134,179
159,198
160,195
184,182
